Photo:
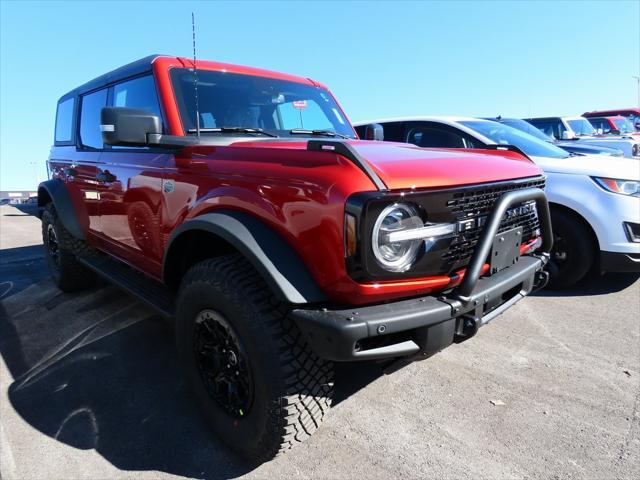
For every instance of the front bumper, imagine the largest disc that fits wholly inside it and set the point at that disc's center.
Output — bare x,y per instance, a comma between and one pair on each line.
420,327
617,262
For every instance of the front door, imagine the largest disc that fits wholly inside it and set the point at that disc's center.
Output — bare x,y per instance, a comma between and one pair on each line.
131,178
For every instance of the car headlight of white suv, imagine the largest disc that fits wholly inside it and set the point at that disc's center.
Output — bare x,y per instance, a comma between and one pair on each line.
624,187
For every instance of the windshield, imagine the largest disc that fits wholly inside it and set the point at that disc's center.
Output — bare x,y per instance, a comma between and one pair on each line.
234,101
634,119
581,126
505,135
526,127
624,125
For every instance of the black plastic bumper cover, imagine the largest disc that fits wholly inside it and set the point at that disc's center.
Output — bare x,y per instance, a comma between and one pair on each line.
619,262
335,334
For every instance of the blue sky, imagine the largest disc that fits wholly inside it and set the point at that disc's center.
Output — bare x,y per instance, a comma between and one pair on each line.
515,58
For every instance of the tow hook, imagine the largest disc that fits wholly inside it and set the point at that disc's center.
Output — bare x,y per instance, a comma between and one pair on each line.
540,280
467,328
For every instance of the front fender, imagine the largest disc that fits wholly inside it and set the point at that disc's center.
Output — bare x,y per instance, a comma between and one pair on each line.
277,263
604,211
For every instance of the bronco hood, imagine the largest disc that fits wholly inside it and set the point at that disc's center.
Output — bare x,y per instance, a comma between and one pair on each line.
404,166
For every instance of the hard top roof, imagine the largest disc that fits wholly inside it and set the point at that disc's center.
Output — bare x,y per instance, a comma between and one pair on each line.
137,67
145,65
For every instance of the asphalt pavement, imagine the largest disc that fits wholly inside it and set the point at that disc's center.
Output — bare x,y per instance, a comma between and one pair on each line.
89,388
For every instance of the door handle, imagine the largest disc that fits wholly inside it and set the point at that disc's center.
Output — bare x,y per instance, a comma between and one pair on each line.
105,177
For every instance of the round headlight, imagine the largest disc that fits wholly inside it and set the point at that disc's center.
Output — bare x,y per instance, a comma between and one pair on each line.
396,256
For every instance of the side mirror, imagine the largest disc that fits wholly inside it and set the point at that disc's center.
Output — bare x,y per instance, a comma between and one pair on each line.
374,131
614,131
128,126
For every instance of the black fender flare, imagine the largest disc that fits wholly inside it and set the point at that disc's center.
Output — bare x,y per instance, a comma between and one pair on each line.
274,259
55,190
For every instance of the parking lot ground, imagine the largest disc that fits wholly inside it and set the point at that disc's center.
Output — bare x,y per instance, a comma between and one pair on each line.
90,389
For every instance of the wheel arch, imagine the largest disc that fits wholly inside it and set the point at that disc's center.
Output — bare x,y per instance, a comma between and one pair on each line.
229,231
580,218
54,191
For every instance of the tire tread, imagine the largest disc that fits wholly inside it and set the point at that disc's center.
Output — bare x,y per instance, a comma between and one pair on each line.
307,379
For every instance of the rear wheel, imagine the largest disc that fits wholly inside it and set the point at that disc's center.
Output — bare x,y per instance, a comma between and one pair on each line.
60,249
573,251
259,385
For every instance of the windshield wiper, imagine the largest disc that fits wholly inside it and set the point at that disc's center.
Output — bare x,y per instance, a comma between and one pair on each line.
258,131
324,133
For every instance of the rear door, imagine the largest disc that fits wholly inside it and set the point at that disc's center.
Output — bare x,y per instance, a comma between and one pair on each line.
82,171
131,206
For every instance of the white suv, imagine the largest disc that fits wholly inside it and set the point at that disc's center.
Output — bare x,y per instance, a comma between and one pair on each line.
594,199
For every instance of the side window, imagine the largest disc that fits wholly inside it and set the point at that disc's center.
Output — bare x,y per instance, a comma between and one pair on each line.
393,131
549,128
91,106
138,93
560,129
599,123
64,120
436,137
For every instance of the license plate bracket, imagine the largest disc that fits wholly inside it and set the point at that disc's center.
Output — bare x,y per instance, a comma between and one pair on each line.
505,251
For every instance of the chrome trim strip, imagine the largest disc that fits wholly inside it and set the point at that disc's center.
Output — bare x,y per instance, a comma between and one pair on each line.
435,230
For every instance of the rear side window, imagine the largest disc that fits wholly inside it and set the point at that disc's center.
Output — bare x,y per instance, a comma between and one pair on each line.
138,93
92,105
64,120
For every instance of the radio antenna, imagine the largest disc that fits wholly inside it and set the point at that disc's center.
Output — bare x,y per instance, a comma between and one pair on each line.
195,73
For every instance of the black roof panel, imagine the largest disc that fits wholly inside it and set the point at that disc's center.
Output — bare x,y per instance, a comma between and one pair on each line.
137,67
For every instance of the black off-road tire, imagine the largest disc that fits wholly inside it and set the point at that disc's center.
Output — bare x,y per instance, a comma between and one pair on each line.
67,273
292,387
574,250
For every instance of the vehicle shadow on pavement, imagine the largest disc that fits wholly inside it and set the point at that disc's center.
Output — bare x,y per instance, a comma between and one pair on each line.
26,209
98,370
594,285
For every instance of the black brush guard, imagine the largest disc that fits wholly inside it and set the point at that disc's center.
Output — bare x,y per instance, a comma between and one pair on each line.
420,327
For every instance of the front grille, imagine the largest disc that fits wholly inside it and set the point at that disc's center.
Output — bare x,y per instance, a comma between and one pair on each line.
446,254
475,203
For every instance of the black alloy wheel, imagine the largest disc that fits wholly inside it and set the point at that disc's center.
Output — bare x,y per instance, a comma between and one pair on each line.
222,364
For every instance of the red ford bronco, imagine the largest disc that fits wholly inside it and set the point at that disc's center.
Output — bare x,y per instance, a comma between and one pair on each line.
240,202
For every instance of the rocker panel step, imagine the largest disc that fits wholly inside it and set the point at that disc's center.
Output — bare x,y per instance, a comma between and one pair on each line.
150,291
